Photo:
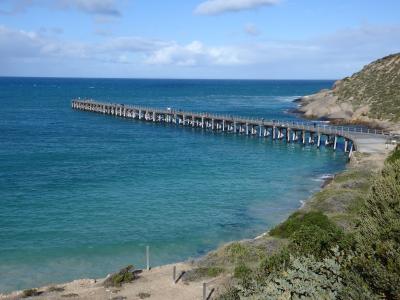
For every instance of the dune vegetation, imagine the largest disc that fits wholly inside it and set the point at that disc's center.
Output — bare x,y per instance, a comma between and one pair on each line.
351,251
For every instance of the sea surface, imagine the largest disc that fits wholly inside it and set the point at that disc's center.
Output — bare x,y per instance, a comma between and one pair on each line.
82,194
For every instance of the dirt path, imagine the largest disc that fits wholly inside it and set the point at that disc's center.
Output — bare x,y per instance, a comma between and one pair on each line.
156,284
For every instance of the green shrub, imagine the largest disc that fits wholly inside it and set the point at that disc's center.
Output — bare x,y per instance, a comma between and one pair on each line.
231,293
237,252
124,275
31,293
274,263
213,271
395,155
242,272
377,255
310,233
313,240
305,278
298,220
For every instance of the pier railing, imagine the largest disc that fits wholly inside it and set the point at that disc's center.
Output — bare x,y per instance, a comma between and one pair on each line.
316,126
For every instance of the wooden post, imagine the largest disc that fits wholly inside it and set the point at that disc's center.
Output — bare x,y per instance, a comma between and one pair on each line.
204,291
174,274
148,258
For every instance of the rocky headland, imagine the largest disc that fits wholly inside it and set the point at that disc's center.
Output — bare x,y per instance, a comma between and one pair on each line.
370,96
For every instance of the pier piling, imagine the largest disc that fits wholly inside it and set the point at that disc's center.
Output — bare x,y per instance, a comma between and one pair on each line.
281,130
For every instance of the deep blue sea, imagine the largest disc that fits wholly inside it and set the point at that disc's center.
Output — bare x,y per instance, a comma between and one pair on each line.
82,194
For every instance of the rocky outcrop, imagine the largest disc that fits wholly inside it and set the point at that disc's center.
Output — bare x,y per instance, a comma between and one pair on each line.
371,96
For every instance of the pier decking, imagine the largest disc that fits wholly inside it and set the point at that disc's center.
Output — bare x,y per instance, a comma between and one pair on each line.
301,132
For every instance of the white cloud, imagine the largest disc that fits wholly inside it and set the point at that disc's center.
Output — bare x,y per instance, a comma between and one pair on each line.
195,54
214,7
333,55
19,44
251,29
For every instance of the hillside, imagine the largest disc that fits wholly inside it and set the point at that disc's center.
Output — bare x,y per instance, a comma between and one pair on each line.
370,96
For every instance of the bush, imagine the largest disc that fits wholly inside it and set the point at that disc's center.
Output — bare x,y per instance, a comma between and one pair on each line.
313,240
304,278
276,262
298,220
231,293
395,155
124,275
237,252
31,293
242,272
377,253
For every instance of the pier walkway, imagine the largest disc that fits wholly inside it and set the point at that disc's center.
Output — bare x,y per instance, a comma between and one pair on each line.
360,139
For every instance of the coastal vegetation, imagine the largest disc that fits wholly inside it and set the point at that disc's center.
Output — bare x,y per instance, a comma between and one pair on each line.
376,85
323,257
30,293
125,275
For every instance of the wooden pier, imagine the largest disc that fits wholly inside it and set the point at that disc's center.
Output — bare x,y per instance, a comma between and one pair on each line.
301,132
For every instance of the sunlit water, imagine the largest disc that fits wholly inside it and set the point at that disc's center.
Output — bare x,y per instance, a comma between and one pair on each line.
82,194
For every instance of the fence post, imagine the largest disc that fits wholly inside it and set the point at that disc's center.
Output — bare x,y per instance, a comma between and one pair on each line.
174,274
204,291
148,258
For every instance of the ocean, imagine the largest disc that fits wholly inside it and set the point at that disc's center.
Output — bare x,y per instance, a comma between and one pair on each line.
83,194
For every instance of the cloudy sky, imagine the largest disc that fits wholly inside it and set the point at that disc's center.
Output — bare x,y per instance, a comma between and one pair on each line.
265,39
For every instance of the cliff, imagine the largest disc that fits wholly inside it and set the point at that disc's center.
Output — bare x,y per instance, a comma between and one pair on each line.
370,96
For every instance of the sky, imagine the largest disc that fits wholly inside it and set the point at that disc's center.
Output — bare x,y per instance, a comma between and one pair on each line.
232,39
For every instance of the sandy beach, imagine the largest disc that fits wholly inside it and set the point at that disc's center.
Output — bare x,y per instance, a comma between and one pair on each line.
156,283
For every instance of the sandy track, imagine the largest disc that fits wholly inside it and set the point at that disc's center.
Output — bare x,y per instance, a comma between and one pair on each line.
156,284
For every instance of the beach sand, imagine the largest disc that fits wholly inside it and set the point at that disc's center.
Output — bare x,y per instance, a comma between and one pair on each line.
154,284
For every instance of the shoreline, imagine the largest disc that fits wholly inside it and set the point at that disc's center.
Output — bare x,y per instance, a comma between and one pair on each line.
80,287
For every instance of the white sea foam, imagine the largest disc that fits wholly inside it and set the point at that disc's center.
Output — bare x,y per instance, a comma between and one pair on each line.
322,177
286,98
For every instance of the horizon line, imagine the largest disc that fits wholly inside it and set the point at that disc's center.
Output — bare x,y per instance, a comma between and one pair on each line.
172,78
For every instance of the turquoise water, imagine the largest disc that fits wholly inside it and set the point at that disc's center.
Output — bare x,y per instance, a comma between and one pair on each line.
82,194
